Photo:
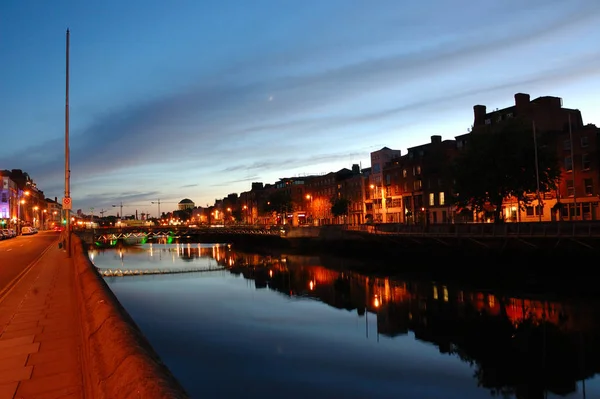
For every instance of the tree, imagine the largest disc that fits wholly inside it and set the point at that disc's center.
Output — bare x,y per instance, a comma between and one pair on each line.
339,206
279,201
500,162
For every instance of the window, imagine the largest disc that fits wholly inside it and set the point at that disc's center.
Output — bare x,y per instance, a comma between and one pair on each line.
509,115
405,187
404,173
584,141
488,121
417,184
442,198
529,210
585,161
376,168
418,169
539,210
570,188
589,190
431,199
567,145
4,198
568,164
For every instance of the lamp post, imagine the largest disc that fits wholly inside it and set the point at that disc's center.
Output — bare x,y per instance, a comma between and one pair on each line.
310,197
21,201
35,219
383,207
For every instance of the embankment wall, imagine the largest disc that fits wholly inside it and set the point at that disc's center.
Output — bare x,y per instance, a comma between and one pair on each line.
120,360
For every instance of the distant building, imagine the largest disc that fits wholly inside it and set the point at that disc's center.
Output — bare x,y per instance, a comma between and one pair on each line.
185,203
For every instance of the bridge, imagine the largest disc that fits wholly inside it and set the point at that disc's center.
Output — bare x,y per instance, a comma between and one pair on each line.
559,237
104,234
141,272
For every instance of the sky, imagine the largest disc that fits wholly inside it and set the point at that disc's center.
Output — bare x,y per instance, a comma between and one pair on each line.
199,98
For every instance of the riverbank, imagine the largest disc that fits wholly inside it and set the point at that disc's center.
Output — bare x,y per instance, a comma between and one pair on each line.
122,362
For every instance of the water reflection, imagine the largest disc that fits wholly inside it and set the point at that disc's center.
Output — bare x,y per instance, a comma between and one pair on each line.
518,346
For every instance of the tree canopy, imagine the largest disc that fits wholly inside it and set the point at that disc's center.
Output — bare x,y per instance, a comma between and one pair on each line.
499,162
279,201
339,206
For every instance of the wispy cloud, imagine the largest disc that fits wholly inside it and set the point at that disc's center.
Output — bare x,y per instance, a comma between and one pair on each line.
344,84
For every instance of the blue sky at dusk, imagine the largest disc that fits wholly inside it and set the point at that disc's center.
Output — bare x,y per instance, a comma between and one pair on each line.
198,99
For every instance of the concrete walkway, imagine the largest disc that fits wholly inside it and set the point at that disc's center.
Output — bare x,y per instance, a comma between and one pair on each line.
41,333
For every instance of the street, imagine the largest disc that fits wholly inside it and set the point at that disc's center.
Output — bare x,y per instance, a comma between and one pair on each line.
18,253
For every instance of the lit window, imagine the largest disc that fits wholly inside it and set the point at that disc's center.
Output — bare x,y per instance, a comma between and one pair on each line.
568,164
431,199
442,198
589,190
570,188
585,161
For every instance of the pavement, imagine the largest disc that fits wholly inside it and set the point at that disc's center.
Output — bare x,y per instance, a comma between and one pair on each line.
41,338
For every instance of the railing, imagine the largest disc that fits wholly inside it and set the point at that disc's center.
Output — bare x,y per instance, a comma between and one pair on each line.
142,272
531,229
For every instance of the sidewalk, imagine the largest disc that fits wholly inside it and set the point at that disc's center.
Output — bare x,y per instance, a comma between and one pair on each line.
41,334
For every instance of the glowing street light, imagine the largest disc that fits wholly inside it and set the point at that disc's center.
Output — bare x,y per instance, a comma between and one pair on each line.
310,197
383,207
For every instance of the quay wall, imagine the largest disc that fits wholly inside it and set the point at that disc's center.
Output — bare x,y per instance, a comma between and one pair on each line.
120,360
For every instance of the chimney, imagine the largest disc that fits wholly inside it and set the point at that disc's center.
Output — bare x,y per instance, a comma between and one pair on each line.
480,112
436,139
521,100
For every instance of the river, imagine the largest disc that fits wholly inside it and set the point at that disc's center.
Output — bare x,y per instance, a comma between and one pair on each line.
250,325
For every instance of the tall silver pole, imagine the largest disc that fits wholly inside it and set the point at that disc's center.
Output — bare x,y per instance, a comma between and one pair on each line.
537,173
67,166
573,169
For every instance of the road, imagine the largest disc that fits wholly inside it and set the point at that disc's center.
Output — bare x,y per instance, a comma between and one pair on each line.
19,253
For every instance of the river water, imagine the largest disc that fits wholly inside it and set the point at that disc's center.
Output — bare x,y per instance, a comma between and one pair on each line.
241,325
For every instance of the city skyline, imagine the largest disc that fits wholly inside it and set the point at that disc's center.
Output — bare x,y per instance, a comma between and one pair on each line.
200,100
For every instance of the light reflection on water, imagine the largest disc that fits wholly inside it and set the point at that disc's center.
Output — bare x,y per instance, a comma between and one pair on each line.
290,327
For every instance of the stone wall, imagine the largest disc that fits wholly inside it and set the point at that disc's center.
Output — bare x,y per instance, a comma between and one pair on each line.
120,360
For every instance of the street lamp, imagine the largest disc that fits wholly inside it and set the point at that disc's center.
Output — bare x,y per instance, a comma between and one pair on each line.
310,197
35,221
383,207
21,201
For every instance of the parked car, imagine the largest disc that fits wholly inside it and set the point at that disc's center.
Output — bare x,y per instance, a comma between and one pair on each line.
28,231
7,233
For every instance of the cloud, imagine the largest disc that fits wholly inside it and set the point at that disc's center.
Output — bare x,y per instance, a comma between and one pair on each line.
227,125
